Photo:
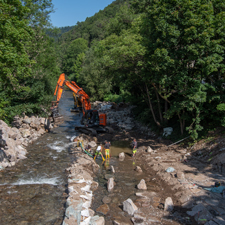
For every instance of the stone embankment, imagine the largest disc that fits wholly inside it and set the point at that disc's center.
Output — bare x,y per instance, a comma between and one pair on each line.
81,186
13,140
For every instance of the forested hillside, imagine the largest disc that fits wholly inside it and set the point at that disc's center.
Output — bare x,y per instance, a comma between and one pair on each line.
165,57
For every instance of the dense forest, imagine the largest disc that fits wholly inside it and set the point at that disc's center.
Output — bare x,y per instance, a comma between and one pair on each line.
29,66
165,57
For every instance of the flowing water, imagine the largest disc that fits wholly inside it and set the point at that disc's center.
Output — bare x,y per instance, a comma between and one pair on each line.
32,191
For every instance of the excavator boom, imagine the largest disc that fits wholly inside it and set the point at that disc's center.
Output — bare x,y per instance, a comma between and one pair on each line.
86,105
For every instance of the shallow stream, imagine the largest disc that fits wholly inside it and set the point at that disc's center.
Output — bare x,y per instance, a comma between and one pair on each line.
126,181
32,191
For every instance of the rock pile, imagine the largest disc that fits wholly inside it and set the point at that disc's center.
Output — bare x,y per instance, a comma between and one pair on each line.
81,186
13,140
121,115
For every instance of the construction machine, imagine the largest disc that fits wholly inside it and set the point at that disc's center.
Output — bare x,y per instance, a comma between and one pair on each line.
92,121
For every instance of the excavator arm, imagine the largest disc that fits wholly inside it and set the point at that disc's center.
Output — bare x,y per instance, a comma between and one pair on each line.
59,87
86,105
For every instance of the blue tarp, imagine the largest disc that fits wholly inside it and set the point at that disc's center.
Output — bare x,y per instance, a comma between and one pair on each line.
216,189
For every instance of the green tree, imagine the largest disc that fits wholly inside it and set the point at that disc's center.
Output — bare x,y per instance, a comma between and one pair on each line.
77,68
28,61
112,65
15,63
184,57
121,21
93,77
74,50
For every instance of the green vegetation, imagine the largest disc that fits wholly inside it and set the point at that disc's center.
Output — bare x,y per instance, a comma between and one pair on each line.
28,62
166,57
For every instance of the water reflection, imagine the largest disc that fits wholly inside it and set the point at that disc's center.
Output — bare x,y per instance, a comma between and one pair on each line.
120,146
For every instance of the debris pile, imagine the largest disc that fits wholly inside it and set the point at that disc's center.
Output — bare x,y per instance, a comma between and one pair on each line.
121,116
13,140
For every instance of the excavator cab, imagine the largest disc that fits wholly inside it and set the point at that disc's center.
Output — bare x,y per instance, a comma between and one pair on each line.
91,118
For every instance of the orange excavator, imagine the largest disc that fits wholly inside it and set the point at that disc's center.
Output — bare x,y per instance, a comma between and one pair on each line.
92,121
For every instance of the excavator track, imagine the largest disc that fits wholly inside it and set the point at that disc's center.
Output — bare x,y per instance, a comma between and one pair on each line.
109,130
87,130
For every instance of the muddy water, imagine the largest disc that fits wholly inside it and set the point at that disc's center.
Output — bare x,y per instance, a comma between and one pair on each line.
126,180
32,191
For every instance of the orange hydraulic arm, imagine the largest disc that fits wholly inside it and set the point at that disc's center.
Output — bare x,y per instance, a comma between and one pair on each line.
75,88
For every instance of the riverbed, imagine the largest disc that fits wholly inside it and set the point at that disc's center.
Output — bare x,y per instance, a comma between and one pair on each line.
33,191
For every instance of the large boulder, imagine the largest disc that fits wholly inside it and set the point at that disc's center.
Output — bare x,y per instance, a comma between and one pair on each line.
12,134
110,184
19,141
3,124
17,122
35,126
10,143
138,169
15,134
26,120
129,207
92,144
3,130
43,121
149,149
103,209
5,163
41,131
11,155
167,131
168,206
142,185
25,132
96,220
121,156
21,150
20,156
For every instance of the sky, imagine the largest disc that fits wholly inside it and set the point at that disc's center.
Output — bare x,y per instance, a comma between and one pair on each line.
69,12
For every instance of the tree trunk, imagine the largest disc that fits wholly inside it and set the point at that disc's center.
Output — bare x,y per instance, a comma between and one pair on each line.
159,107
150,105
166,108
182,124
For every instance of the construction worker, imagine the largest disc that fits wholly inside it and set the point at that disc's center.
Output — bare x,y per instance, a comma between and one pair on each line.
107,149
99,152
134,146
